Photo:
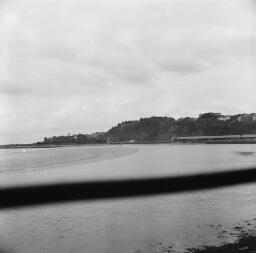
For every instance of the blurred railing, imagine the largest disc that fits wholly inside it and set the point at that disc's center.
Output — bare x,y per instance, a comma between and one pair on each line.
31,195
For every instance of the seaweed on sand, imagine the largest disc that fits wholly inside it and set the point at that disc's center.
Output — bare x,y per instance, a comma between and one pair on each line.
245,244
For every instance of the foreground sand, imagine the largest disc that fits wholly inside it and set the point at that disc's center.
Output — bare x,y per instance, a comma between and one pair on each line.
246,244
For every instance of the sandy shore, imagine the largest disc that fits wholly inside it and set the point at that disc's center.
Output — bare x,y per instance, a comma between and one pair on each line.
240,238
246,243
67,164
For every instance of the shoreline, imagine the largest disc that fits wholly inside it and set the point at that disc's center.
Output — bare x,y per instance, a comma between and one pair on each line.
239,238
24,146
246,243
181,143
17,146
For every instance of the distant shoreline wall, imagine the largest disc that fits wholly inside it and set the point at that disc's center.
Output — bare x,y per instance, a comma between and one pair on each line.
222,139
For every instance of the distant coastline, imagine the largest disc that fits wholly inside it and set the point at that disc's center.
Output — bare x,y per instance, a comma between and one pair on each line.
24,146
231,141
208,128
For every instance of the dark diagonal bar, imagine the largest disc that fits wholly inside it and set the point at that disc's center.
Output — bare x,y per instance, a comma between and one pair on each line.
83,191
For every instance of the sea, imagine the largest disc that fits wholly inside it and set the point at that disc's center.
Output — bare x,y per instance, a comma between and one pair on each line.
162,223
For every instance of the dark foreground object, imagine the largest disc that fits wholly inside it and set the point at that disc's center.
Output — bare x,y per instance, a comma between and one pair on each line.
78,191
246,244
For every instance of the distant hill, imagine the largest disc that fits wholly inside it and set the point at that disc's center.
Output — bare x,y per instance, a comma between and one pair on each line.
146,129
95,138
165,129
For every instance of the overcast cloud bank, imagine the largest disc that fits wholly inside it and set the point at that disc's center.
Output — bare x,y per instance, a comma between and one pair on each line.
82,66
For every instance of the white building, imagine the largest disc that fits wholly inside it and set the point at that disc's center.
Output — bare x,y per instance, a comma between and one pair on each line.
223,118
246,117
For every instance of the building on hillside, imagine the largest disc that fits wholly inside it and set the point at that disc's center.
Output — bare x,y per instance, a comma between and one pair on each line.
246,117
96,134
223,118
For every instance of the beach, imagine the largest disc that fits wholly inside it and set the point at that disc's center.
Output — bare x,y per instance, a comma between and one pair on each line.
182,221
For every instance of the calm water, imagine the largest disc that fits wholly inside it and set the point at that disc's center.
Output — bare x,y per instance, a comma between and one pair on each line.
148,224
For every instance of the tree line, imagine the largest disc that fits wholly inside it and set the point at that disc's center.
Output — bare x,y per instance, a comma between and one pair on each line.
75,139
162,129
165,128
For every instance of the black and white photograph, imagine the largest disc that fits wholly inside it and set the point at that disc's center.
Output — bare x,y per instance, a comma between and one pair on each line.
127,126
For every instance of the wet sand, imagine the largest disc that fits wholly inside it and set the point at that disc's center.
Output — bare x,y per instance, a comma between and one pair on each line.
50,165
241,238
146,225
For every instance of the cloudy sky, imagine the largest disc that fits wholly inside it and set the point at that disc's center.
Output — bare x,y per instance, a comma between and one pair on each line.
82,66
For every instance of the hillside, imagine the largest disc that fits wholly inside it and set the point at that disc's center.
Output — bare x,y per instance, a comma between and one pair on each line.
165,129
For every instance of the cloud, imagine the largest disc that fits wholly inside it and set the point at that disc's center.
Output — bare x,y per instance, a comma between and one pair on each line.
121,60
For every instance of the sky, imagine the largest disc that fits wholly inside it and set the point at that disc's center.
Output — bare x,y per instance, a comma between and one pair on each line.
82,66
